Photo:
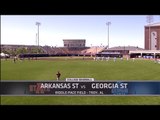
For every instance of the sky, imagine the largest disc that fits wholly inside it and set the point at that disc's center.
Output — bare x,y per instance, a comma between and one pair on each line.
124,30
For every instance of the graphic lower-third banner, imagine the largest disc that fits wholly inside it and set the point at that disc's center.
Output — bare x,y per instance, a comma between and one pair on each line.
96,88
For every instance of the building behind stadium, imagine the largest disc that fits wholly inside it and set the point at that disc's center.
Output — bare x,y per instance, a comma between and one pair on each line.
74,42
152,36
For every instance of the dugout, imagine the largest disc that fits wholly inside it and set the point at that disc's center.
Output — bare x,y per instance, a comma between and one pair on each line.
32,55
110,54
145,54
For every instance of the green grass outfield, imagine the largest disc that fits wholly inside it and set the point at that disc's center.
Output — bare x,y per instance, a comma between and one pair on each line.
70,68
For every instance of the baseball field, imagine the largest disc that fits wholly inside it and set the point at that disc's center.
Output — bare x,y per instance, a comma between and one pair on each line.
46,69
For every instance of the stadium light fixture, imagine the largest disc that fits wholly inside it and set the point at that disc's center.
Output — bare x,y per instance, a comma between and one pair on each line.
108,23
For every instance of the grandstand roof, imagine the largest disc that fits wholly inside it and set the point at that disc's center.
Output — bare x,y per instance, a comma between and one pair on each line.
74,39
125,48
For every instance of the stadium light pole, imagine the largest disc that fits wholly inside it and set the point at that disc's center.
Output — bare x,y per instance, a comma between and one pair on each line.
108,23
36,38
38,24
149,20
